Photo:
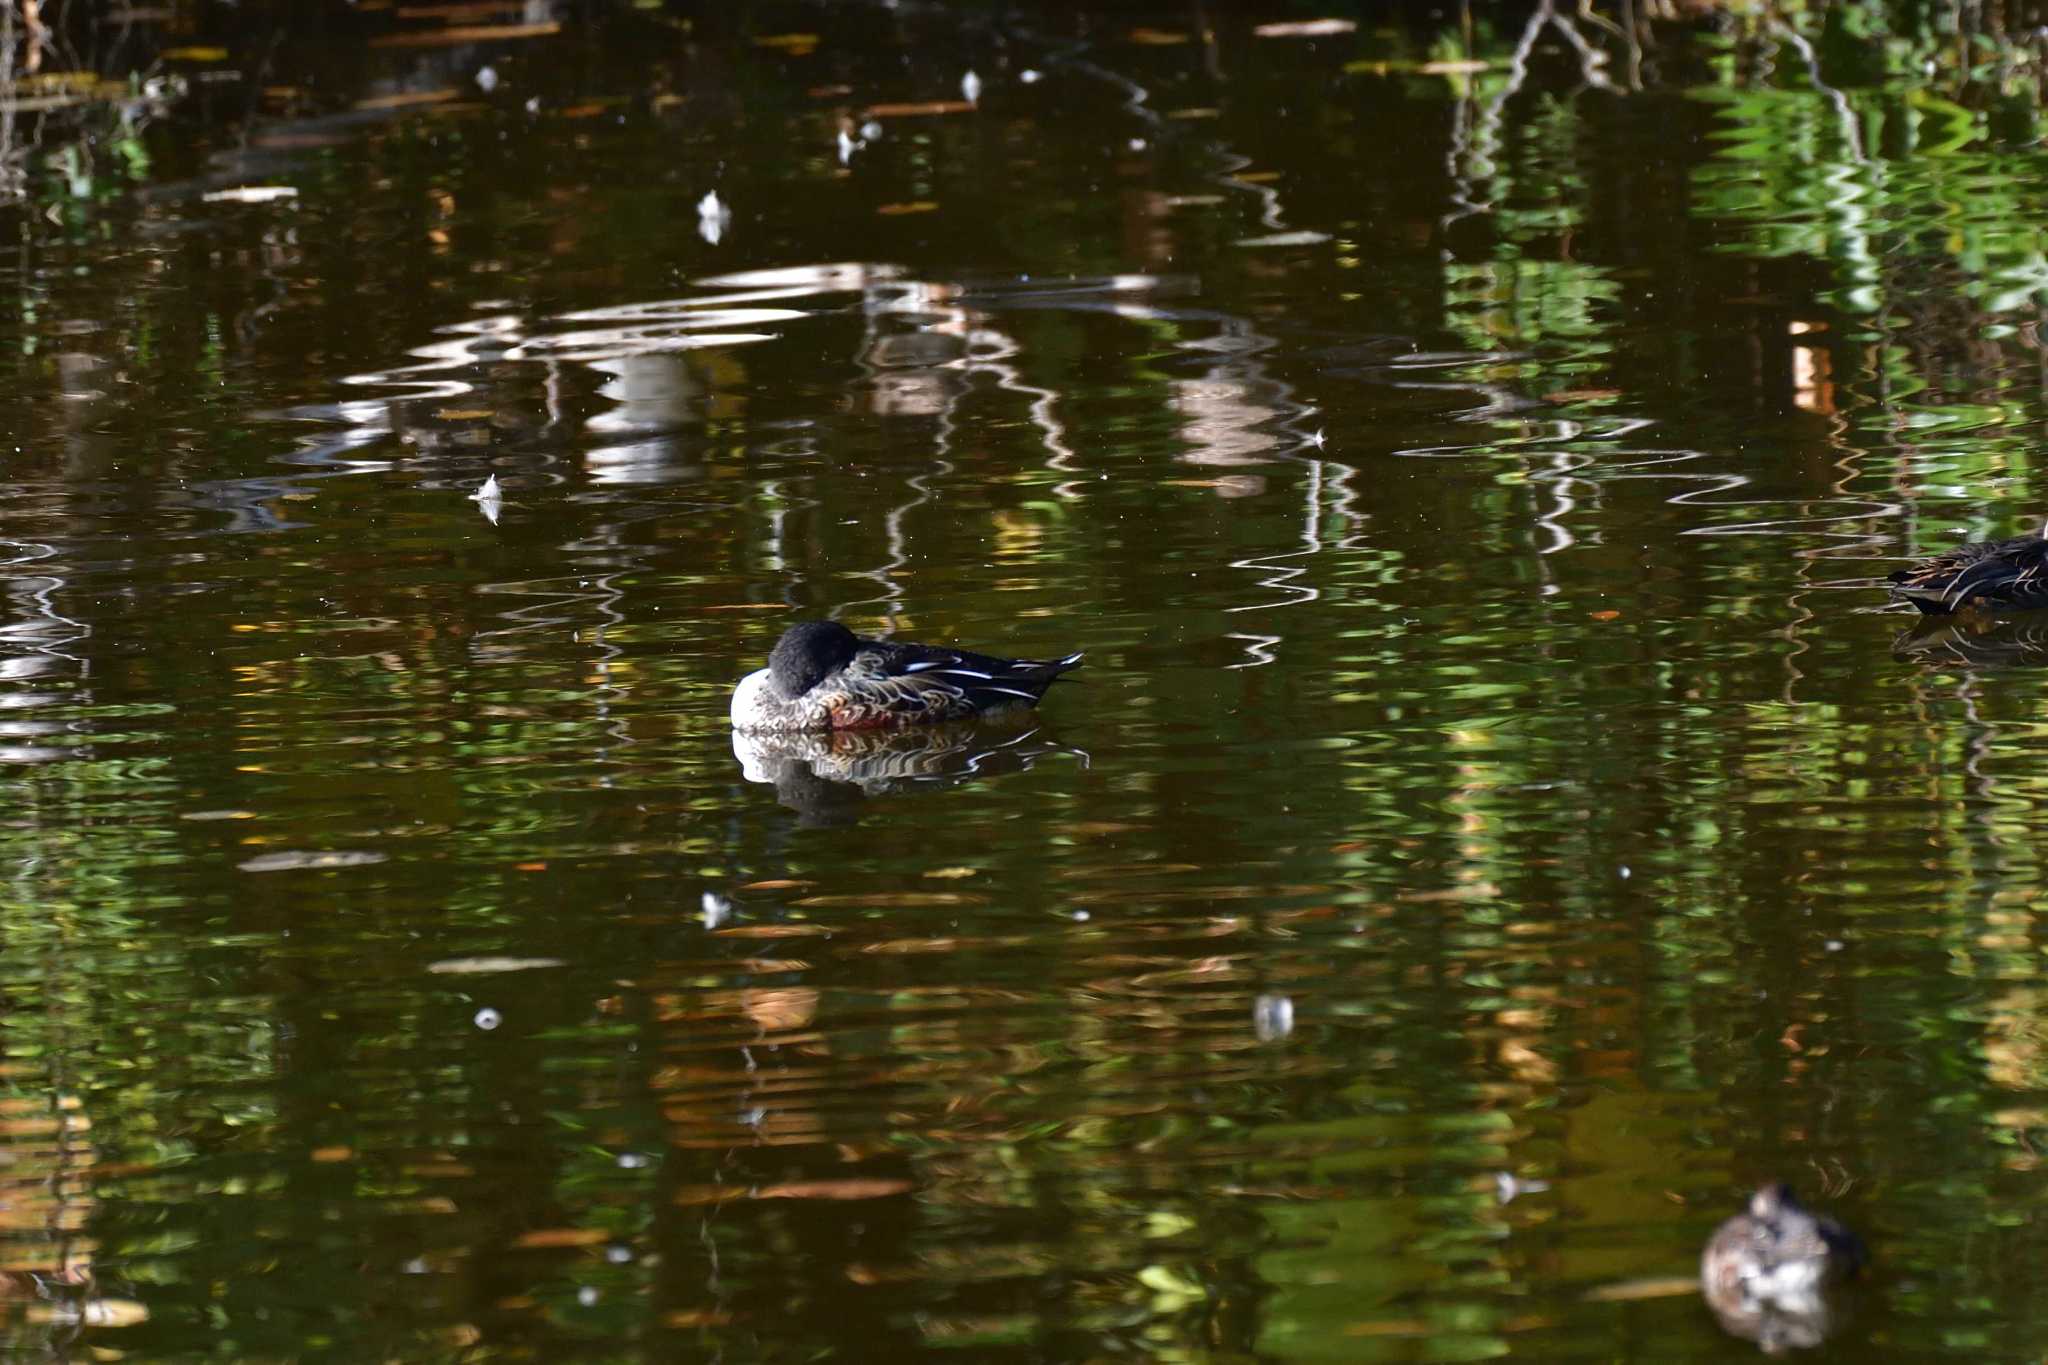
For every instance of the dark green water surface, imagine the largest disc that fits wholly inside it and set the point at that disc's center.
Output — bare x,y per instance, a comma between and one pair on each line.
1496,770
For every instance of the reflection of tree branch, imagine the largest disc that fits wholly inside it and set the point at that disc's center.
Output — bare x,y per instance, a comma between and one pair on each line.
1624,33
1472,129
8,43
1591,58
1850,133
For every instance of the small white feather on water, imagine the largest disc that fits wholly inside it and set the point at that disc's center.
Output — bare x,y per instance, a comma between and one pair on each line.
490,499
713,217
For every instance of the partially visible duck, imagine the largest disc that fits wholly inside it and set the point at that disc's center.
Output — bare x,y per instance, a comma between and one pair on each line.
821,676
1767,1266
2008,574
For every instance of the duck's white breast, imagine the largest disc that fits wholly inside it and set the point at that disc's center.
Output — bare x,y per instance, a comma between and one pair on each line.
751,703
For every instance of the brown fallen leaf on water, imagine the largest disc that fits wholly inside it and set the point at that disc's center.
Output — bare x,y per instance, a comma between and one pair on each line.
561,1237
406,99
1660,1287
898,210
953,873
1605,615
1305,28
456,36
796,44
918,110
778,884
870,1188
296,860
696,1317
898,900
330,1155
1159,37
489,966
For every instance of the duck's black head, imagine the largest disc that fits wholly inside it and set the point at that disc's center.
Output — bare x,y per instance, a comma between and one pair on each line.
807,652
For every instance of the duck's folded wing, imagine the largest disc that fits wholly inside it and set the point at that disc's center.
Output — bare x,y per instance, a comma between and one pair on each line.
2012,571
983,679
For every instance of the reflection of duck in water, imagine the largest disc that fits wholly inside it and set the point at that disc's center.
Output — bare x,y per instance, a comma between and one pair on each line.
1764,1271
821,676
1977,639
2008,575
824,776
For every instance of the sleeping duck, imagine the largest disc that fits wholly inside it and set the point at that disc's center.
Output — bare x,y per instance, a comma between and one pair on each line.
821,676
1766,1272
2009,575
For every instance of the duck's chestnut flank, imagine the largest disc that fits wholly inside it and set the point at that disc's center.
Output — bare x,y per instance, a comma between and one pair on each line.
821,676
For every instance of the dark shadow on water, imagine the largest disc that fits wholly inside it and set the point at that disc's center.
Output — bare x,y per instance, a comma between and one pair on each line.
828,778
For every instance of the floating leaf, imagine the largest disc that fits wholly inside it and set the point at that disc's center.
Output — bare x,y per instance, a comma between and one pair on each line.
406,99
1660,1287
457,35
795,44
481,966
252,194
870,1188
918,110
1306,28
561,1237
296,860
899,900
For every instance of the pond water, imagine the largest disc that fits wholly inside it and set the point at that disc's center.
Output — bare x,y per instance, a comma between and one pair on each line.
1499,822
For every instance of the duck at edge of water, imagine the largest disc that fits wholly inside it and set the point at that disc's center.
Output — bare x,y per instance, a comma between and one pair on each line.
2009,575
821,676
1777,1252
